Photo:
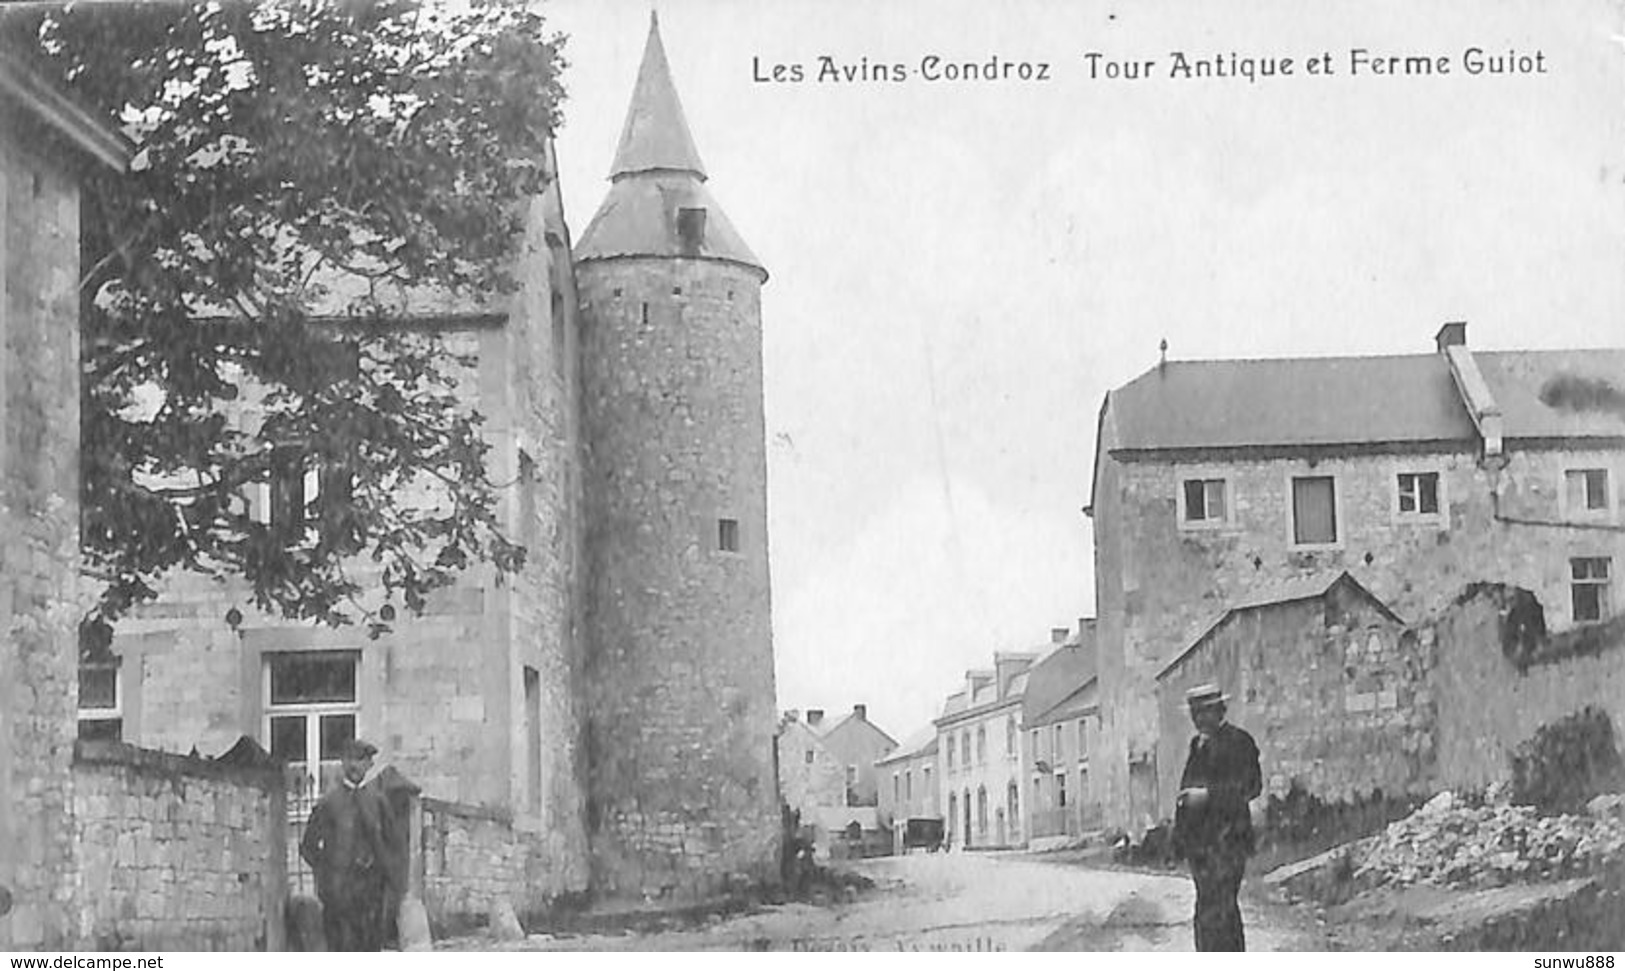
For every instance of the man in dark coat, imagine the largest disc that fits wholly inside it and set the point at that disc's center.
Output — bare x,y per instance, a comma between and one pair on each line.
347,843
1213,826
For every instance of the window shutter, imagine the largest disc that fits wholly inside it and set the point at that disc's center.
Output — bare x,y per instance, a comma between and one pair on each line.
1314,515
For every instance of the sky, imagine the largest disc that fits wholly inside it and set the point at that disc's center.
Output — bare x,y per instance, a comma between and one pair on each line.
961,269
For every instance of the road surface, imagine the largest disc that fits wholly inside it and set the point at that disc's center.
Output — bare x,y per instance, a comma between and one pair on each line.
967,902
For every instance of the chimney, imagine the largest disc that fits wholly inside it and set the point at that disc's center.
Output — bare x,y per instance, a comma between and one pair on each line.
862,711
815,717
1452,334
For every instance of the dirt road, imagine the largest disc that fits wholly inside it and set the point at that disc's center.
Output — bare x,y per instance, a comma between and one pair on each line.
969,902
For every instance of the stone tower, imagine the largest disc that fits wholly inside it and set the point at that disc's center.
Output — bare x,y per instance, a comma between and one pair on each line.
681,710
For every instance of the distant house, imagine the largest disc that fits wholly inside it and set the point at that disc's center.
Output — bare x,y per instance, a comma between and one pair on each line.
980,753
810,778
827,774
1060,720
1329,682
1417,475
855,742
908,784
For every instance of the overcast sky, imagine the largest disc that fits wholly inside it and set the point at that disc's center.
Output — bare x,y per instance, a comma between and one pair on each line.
961,270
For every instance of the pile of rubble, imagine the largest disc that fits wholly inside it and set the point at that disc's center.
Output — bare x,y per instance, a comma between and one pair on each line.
1454,842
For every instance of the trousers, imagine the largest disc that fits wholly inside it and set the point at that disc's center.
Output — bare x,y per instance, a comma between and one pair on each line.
1217,921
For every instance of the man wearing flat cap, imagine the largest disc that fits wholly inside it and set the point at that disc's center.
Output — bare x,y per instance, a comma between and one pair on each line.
347,843
1213,828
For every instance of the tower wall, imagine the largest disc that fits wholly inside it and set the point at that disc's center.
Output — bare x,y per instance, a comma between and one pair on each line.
682,792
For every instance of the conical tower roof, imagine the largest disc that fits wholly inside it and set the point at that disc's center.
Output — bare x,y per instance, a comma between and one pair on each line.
658,182
656,134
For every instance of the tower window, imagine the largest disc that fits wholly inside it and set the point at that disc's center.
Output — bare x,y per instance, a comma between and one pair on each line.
691,229
676,291
728,535
645,313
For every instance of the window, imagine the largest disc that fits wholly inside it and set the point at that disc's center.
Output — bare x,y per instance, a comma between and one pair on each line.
1060,789
981,810
981,745
297,493
809,757
896,789
1203,501
311,706
1036,753
950,752
728,535
1585,490
1590,589
1418,494
851,775
1314,510
964,749
953,814
1059,750
1083,741
908,785
1012,800
101,711
1010,737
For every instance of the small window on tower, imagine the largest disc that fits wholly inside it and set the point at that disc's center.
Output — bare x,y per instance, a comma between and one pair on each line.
728,535
645,313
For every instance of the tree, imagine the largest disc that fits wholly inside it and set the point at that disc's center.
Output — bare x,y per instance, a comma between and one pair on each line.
280,148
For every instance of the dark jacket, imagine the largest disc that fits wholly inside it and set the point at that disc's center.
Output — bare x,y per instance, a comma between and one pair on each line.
347,843
1227,766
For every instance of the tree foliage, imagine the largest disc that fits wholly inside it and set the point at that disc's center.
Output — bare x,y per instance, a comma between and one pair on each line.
297,166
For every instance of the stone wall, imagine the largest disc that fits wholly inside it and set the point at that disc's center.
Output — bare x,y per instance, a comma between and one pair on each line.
473,857
681,712
1335,693
1159,580
39,518
1487,706
175,853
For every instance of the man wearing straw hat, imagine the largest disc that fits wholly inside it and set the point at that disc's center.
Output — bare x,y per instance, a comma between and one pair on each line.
1213,827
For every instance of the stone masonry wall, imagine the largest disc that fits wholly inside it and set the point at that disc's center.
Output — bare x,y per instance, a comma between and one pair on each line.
39,518
682,795
1487,707
474,857
175,853
1158,581
1336,695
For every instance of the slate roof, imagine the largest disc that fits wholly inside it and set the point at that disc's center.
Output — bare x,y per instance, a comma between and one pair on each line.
1293,402
919,744
657,172
1282,592
1057,676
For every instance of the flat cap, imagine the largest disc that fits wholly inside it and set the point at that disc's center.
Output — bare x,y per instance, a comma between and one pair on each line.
356,748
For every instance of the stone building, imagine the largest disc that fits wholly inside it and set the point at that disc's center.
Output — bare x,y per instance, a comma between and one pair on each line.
1417,475
1060,720
908,784
978,743
1332,686
615,700
47,148
811,779
855,743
